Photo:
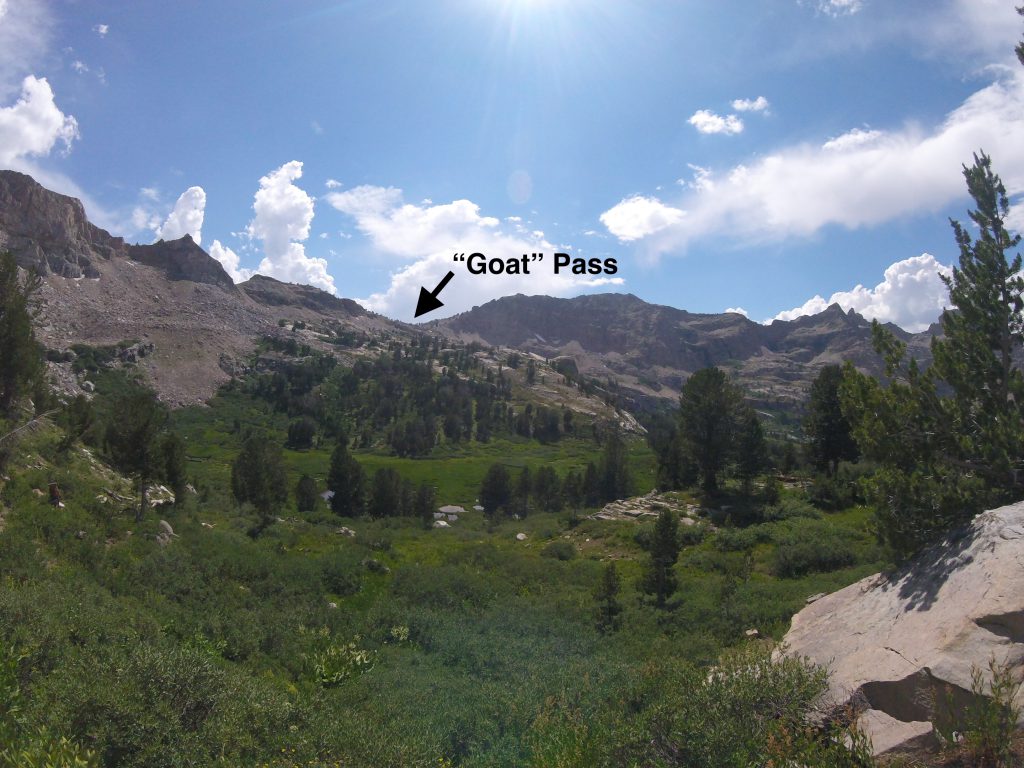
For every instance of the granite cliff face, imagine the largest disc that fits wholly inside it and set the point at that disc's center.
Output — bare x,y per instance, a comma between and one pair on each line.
50,232
651,350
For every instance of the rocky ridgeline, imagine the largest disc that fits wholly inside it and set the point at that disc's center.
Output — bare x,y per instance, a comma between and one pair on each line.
648,507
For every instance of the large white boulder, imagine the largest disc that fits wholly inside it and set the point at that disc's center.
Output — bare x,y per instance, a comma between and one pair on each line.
900,644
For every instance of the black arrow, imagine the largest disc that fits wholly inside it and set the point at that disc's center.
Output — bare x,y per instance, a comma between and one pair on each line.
428,299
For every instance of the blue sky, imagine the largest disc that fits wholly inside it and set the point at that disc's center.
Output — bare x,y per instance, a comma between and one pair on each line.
768,156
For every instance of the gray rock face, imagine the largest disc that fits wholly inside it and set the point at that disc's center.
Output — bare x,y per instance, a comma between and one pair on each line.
899,644
49,231
650,350
182,259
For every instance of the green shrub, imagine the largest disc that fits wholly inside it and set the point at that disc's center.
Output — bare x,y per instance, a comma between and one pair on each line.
789,507
810,547
560,550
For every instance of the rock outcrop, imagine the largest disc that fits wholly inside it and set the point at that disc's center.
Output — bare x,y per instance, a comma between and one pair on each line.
49,232
901,644
182,259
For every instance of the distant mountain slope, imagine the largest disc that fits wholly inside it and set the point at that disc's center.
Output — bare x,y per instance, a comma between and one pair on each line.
100,290
652,349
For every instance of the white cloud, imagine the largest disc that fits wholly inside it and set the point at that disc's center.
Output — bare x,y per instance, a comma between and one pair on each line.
861,179
230,261
852,140
840,7
426,236
333,184
707,122
911,295
33,125
101,29
284,214
738,311
760,104
79,67
638,216
186,217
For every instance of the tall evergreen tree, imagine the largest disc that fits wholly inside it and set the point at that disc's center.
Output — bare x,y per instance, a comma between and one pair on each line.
829,440
607,598
708,406
305,494
131,438
751,449
258,477
424,504
172,457
495,490
346,479
659,579
975,356
19,352
943,457
614,477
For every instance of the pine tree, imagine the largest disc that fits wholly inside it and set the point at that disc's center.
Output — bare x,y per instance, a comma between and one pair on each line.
172,457
708,406
22,364
659,578
827,429
258,477
305,494
751,449
131,438
424,504
607,598
975,357
495,490
345,478
614,477
944,457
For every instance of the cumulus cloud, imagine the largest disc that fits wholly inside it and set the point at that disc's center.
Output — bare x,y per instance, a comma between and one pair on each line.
860,179
738,311
186,218
34,125
911,295
230,261
638,216
283,217
425,236
101,29
760,104
708,122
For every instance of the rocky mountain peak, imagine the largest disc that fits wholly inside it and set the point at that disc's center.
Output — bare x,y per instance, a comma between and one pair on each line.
49,232
182,259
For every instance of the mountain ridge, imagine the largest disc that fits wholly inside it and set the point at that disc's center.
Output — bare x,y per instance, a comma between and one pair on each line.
99,289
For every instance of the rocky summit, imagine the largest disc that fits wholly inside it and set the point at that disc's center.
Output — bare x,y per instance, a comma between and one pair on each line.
898,644
650,350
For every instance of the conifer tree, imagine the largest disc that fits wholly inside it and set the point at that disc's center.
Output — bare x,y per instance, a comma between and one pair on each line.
607,598
659,579
258,477
827,429
346,479
751,449
131,438
708,406
19,352
943,457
